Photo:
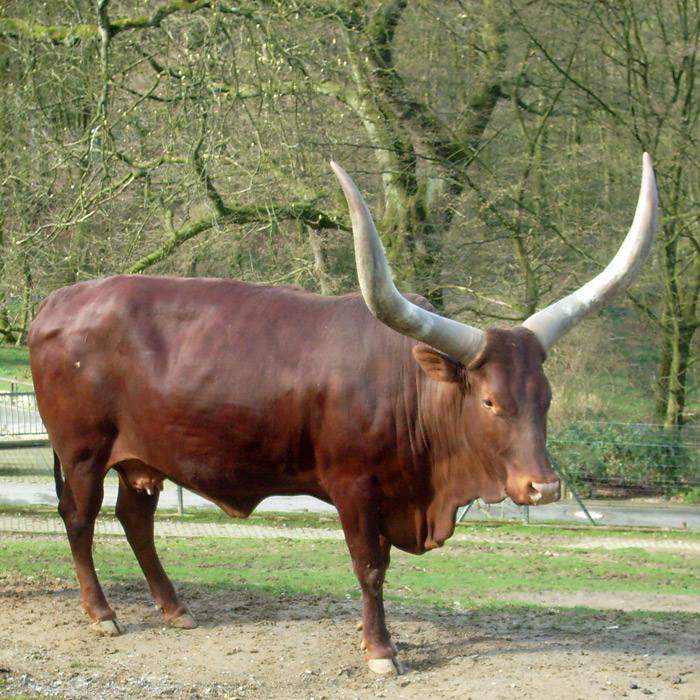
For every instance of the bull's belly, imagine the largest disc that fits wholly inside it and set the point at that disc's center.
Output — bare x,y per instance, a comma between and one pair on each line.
236,486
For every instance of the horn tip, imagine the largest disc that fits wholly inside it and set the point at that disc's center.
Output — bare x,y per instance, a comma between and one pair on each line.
649,178
345,180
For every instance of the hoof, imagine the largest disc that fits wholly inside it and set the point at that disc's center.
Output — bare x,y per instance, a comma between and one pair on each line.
386,667
182,622
394,648
108,628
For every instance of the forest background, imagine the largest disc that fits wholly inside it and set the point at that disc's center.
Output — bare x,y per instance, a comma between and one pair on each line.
498,143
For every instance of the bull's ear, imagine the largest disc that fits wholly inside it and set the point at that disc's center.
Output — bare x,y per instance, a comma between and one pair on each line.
437,365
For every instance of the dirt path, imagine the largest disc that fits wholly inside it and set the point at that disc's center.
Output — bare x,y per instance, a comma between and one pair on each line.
253,647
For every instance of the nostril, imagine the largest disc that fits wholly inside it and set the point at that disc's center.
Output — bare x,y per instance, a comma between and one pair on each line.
541,493
535,495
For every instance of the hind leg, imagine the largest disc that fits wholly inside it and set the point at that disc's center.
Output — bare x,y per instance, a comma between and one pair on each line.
80,502
135,510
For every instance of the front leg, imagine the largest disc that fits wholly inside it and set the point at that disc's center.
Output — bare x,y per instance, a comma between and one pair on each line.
370,558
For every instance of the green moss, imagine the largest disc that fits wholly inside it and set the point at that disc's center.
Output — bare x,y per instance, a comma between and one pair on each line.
53,34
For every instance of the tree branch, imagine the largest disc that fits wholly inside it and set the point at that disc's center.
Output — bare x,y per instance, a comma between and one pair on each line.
238,216
59,35
568,75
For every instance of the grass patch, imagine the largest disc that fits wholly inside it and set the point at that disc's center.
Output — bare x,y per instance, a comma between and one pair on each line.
461,574
37,511
510,531
14,364
506,569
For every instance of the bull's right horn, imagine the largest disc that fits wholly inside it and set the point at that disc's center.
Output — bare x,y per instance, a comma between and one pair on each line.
458,340
552,322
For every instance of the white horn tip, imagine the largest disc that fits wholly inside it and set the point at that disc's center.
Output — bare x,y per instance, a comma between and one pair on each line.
648,177
551,323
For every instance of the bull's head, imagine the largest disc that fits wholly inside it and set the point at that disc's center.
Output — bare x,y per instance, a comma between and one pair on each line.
501,368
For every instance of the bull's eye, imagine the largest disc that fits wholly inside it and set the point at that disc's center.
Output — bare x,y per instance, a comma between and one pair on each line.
488,403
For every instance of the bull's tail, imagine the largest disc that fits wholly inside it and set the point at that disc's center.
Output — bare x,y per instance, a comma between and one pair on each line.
57,475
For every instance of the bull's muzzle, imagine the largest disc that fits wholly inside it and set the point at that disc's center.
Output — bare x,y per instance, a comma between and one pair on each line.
542,493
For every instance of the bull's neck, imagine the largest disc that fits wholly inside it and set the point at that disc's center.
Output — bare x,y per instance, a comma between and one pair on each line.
444,452
457,475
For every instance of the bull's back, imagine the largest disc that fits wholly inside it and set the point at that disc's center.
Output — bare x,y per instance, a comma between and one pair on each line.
208,374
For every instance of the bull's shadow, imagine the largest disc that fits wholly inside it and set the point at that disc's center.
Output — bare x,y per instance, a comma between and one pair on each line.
427,637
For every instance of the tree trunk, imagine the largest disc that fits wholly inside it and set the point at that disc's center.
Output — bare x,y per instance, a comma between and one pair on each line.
677,379
679,323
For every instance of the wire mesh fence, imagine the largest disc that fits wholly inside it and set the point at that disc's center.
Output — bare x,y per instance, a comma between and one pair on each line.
32,461
604,459
19,417
25,454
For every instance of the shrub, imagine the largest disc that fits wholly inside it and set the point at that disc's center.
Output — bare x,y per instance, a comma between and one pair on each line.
627,458
692,495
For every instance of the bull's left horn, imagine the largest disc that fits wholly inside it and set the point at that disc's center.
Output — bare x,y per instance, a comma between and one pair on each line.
554,321
459,340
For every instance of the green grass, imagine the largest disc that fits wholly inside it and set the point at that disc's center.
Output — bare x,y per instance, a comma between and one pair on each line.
216,516
14,364
459,575
567,532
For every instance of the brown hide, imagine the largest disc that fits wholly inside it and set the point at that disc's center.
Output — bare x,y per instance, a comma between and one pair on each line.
238,392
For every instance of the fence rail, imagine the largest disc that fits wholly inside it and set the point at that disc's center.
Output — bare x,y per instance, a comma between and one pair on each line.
15,383
19,416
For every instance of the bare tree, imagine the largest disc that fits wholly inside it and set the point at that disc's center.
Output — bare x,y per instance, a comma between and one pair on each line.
638,80
194,138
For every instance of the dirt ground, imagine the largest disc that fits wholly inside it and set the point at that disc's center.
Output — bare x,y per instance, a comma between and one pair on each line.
250,646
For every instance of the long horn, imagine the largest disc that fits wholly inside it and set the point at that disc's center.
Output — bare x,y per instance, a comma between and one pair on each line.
552,322
459,340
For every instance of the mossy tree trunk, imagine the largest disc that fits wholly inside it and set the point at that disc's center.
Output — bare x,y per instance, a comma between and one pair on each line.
405,134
